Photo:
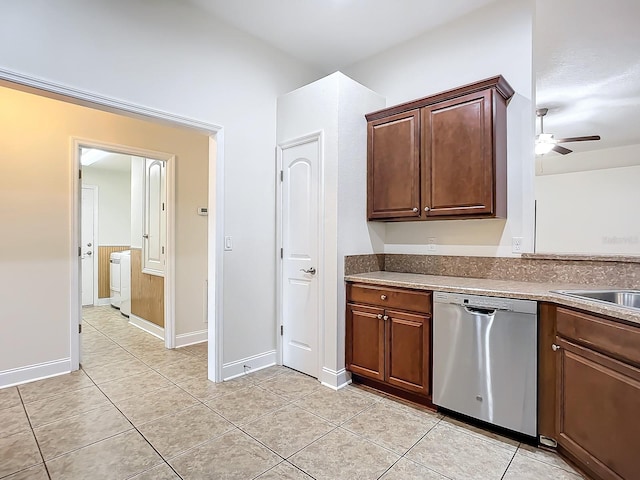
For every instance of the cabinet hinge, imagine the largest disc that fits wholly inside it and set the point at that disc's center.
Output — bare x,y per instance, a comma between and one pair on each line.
163,250
79,328
281,330
163,206
79,251
281,175
80,174
281,253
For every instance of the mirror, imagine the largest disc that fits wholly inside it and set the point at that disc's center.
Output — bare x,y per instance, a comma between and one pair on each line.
588,75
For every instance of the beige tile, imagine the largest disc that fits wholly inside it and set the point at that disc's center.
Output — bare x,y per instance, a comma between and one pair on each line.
113,371
341,454
48,387
181,431
499,440
233,456
155,358
408,470
247,405
134,386
336,406
545,456
37,472
18,451
206,390
117,457
13,420
9,397
199,349
90,359
66,405
79,431
292,386
186,369
153,405
454,453
161,472
288,430
526,468
267,373
393,426
284,471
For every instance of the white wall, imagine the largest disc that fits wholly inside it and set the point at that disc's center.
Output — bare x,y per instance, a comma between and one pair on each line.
137,202
172,57
496,39
114,204
588,202
336,105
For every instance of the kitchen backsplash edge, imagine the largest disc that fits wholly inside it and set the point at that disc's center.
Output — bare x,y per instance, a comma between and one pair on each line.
587,271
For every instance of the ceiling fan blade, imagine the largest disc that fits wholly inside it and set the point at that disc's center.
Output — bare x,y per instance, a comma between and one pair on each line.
562,150
578,139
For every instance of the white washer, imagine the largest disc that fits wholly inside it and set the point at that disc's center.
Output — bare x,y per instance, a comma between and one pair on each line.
114,274
125,283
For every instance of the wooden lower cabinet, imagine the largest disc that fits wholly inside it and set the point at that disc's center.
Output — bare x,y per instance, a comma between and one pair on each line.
598,412
389,345
589,391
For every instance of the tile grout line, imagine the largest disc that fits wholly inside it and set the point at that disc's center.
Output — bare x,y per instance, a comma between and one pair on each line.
46,468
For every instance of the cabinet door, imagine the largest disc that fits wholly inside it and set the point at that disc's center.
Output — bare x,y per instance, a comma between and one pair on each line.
597,417
393,162
408,351
457,156
365,341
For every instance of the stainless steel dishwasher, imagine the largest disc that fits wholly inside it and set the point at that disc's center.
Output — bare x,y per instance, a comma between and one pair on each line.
485,359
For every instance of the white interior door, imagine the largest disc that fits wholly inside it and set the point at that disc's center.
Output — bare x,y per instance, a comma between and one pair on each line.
155,219
87,244
300,275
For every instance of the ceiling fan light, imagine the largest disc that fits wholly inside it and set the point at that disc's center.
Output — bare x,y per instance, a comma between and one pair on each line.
545,143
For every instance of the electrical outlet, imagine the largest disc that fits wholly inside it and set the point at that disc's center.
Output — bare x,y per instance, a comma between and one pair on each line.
431,244
516,244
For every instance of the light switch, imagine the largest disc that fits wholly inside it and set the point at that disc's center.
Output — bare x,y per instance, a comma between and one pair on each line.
228,243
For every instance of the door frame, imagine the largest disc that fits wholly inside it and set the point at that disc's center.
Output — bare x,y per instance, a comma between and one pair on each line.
169,272
215,242
308,138
96,192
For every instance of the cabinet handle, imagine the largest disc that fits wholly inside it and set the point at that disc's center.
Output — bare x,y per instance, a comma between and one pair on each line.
426,209
415,209
379,316
555,347
383,297
386,317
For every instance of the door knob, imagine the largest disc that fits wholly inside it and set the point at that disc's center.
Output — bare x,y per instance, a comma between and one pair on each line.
555,347
383,297
89,244
379,316
415,209
311,271
386,317
88,253
426,209
146,235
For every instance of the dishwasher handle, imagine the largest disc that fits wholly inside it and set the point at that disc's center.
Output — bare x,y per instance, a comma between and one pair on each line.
480,311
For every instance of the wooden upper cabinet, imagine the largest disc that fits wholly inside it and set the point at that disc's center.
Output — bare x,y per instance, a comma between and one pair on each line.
457,155
394,166
461,169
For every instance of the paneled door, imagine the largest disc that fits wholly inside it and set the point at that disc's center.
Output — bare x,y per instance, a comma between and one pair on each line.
155,218
300,268
87,243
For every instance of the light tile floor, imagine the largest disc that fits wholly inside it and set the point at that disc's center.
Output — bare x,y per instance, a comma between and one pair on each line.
137,410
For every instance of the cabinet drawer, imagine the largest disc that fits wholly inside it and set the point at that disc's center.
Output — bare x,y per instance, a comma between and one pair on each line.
389,297
617,339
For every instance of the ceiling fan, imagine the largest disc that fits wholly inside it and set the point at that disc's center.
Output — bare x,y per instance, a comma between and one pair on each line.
546,143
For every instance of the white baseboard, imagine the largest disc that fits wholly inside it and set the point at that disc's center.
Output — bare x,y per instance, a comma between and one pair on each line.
103,301
335,380
256,362
30,373
147,326
192,338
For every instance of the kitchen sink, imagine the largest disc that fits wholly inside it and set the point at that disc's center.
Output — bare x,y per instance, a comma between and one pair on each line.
623,298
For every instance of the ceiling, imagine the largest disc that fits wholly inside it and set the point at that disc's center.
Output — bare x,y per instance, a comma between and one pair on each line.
587,62
332,34
585,51
114,162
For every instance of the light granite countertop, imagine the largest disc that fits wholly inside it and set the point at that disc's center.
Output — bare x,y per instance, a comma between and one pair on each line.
499,288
